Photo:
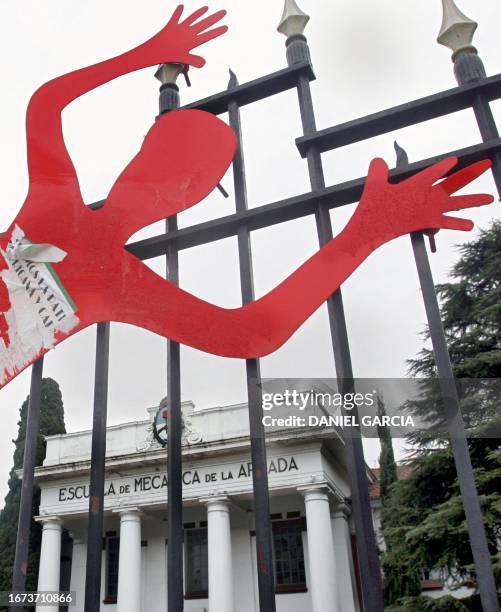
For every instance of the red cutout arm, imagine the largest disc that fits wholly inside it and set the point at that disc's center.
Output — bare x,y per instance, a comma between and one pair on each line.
49,163
254,330
385,212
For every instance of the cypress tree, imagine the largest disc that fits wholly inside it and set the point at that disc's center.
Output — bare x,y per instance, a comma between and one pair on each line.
387,463
51,422
402,577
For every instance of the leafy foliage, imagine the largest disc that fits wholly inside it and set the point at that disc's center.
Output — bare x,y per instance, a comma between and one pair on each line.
387,463
51,422
423,519
425,604
471,311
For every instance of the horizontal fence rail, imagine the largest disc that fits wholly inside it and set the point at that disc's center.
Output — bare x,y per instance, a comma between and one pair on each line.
254,91
295,207
432,107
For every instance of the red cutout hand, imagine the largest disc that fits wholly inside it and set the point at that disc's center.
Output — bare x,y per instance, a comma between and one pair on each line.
387,211
182,159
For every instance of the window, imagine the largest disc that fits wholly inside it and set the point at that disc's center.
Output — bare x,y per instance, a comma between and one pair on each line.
112,550
432,580
197,563
289,556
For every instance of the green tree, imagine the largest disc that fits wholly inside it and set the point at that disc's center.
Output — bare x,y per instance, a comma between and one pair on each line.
51,422
387,463
401,576
424,516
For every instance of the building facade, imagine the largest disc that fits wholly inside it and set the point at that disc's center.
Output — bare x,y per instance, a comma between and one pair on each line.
315,559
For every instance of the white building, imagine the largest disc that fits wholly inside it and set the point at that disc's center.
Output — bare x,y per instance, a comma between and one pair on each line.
312,530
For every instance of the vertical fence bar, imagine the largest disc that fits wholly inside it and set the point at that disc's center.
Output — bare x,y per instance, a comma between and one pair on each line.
459,444
455,424
372,591
264,544
97,472
26,503
468,67
169,101
175,590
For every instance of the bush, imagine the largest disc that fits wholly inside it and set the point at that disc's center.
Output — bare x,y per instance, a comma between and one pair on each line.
426,604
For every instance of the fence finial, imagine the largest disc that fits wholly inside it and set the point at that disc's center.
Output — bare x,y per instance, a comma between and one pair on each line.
169,73
457,29
402,157
233,82
293,21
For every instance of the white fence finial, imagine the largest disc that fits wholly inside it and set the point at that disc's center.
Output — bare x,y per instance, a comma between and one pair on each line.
457,29
293,21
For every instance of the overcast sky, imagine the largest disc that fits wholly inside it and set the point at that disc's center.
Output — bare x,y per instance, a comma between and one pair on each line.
367,56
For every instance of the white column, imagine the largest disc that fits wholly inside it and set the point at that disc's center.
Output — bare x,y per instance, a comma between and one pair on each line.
344,559
50,557
324,594
78,566
129,561
220,564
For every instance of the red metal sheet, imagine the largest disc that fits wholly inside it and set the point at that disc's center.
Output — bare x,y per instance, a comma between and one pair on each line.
48,294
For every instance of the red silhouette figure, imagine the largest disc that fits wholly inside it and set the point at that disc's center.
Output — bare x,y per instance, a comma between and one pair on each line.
184,156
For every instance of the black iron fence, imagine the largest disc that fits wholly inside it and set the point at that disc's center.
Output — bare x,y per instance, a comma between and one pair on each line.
475,91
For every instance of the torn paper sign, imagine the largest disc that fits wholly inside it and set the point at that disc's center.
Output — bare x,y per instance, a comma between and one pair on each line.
40,306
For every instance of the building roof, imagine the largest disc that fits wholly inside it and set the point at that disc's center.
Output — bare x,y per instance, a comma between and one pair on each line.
403,472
